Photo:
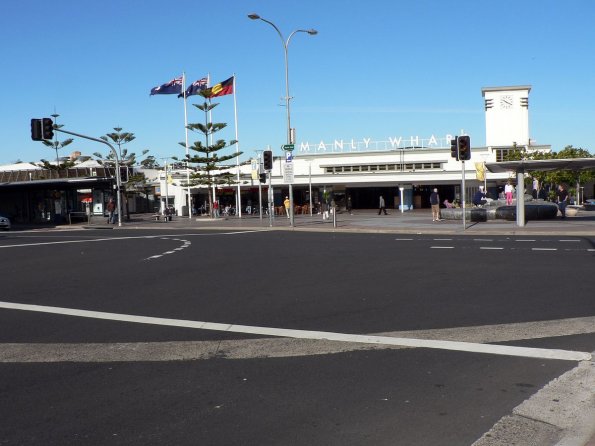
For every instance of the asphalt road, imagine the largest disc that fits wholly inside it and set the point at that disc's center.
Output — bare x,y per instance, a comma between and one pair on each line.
97,353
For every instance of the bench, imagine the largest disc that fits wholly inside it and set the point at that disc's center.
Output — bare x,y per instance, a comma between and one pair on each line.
158,217
78,215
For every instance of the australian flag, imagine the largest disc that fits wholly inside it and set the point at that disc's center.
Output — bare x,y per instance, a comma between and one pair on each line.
195,87
172,87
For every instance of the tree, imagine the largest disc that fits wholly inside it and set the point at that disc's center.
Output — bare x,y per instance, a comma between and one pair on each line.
120,138
553,178
135,180
572,177
210,170
55,144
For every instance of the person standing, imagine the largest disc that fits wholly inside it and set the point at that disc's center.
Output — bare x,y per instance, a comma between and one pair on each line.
508,190
216,208
562,195
287,203
111,209
435,203
349,205
381,206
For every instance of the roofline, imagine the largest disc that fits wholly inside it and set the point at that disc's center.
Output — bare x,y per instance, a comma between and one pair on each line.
484,90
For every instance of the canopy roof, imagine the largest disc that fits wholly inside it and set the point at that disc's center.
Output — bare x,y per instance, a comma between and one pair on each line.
554,164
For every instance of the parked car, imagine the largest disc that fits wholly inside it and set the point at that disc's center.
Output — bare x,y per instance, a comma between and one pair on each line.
4,223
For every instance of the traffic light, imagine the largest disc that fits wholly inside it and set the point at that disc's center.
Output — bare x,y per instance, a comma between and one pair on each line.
47,128
464,145
263,177
36,134
454,149
267,160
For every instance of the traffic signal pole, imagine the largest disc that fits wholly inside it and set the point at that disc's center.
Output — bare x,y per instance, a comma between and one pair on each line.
463,193
118,179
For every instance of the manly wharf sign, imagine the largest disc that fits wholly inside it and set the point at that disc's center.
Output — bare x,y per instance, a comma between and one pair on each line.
367,145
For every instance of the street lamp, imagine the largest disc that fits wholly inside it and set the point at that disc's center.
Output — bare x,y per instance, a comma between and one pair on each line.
285,43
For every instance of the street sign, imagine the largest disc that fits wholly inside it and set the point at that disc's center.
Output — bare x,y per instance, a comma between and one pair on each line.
288,157
288,173
288,147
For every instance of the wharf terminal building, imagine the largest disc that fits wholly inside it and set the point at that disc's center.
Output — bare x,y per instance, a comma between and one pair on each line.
403,169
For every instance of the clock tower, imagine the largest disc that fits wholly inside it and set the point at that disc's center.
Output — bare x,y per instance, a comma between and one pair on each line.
507,115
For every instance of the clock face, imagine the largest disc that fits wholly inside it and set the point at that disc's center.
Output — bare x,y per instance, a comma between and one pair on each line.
506,101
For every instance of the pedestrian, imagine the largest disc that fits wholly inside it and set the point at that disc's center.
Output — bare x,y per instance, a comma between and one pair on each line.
508,191
216,209
435,203
479,198
287,203
349,205
535,191
111,211
562,196
381,206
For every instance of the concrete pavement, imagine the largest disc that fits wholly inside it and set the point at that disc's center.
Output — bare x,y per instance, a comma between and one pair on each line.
409,222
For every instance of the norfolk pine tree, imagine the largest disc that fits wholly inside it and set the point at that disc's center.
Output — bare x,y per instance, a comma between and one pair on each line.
210,170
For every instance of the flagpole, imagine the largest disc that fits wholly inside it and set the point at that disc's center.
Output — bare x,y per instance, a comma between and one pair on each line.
235,113
187,152
210,136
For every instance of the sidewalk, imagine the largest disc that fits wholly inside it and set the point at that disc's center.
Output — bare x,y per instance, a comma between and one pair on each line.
409,222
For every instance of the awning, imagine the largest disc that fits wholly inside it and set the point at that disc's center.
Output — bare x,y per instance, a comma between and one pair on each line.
542,165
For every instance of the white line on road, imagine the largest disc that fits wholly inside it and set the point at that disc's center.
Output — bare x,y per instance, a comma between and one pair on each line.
526,352
137,237
442,247
491,247
525,240
573,241
544,249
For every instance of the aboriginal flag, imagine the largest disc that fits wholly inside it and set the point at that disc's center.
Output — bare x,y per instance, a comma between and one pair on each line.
221,89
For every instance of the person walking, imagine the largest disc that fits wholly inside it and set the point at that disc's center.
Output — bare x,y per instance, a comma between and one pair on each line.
435,203
349,205
381,206
508,191
562,196
287,203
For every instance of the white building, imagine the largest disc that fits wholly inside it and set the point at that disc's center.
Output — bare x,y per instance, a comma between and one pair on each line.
402,168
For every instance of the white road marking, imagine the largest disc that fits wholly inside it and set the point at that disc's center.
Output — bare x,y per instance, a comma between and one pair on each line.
442,247
483,240
442,239
522,240
404,239
573,241
526,352
544,249
136,237
491,247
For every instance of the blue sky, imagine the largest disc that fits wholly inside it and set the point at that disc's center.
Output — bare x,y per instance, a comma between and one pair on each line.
377,69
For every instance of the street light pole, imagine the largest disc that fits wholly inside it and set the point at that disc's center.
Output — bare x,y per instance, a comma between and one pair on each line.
285,43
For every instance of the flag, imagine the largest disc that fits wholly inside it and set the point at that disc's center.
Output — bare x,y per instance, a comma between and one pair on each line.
172,87
221,89
195,87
